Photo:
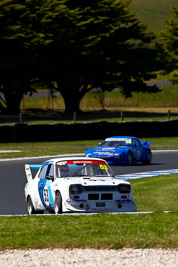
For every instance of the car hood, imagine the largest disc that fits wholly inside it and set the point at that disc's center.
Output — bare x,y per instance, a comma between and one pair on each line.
106,150
87,181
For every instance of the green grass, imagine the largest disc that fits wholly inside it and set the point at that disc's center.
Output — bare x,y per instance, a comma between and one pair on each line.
145,107
114,99
154,12
30,149
157,193
111,115
95,231
110,231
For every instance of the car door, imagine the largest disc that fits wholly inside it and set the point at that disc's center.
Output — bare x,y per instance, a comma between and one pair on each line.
44,185
137,150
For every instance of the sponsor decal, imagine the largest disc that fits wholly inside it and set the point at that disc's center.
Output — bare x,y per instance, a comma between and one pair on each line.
103,153
83,162
107,148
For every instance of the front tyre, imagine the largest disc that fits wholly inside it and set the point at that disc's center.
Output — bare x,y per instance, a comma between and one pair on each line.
129,158
58,203
30,206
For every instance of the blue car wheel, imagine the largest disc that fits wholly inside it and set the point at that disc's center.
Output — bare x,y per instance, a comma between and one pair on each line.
129,158
148,158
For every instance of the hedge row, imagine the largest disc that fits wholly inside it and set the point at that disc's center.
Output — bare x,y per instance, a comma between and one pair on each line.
86,131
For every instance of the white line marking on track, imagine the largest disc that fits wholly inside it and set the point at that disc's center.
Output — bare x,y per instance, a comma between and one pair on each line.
78,214
9,151
43,157
145,174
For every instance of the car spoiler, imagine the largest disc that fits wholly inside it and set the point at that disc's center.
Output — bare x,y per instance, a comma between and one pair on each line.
145,143
28,172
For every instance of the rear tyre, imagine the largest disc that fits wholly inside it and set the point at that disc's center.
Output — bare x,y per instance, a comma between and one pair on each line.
129,158
148,158
30,206
58,203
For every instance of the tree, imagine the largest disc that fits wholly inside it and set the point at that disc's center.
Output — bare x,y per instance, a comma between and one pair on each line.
99,96
18,51
168,44
78,45
98,44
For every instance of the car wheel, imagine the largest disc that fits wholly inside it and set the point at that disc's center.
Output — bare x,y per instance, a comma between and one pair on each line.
129,158
148,158
30,206
58,203
51,212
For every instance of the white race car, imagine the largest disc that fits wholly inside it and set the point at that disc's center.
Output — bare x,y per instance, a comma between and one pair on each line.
76,184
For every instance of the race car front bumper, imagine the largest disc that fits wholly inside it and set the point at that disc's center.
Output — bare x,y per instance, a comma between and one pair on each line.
99,206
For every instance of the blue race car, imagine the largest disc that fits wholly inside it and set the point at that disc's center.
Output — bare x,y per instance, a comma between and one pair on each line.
122,150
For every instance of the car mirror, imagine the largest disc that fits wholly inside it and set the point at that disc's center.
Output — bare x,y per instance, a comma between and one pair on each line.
50,177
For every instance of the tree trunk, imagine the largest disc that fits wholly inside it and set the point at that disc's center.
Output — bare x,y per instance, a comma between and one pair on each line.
72,104
12,102
72,100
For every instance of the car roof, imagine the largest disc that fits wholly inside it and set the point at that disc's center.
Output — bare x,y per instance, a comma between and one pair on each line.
116,137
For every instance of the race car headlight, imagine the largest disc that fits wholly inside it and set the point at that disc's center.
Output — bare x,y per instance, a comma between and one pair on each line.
124,188
75,189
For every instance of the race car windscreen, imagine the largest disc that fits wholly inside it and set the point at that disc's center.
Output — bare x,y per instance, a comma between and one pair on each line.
75,168
116,143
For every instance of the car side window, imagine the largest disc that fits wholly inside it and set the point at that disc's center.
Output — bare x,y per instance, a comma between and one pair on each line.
139,143
135,143
50,171
43,172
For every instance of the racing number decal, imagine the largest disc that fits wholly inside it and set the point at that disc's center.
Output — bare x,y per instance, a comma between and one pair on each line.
103,167
46,196
44,187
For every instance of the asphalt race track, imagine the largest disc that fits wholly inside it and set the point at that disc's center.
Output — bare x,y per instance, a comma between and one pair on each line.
13,178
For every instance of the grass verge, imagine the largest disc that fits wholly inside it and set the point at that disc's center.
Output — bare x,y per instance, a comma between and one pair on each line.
95,231
64,147
157,193
110,114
